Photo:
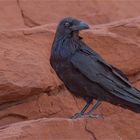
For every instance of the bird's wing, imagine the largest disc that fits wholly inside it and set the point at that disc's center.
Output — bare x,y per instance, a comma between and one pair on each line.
93,67
117,72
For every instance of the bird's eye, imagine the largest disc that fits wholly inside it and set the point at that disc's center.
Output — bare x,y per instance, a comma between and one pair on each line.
67,24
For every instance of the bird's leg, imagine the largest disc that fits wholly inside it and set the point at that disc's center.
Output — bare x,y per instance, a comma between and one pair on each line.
91,112
81,113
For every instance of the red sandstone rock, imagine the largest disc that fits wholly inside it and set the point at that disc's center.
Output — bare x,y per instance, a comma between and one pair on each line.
24,66
29,88
61,105
20,13
93,11
10,15
115,127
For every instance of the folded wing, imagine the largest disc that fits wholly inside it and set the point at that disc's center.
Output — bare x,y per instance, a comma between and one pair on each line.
93,67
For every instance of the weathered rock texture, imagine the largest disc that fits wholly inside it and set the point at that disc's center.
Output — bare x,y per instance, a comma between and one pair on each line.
30,13
34,103
56,128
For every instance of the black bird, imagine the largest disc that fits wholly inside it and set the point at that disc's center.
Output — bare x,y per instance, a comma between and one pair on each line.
86,74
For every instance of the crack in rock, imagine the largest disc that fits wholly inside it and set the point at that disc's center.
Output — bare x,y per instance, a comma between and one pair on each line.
27,20
89,131
23,100
15,115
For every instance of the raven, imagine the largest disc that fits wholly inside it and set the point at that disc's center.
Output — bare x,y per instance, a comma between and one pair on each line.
86,74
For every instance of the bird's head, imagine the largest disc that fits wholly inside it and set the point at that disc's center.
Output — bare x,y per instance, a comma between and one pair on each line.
70,26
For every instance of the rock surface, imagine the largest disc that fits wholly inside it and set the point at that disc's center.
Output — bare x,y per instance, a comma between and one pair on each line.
34,103
32,13
60,128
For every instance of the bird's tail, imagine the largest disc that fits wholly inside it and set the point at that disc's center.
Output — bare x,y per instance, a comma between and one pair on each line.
128,98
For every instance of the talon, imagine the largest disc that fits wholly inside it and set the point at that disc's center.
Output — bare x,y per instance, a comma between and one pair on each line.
97,116
77,115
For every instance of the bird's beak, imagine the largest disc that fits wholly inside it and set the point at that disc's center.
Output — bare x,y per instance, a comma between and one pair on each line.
80,26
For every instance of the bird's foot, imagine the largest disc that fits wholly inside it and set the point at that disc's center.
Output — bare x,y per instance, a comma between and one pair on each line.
77,115
96,116
88,115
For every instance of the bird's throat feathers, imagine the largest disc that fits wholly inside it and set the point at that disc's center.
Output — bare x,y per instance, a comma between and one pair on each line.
72,35
76,36
66,45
